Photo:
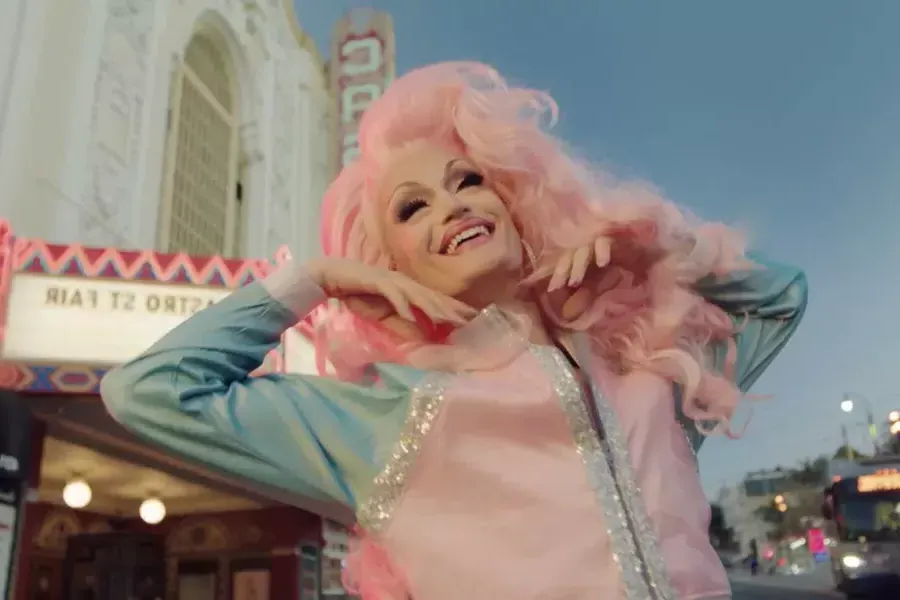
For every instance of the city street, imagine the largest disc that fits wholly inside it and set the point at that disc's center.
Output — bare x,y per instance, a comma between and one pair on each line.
810,586
770,590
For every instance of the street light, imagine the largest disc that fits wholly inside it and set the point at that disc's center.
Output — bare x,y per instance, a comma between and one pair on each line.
848,403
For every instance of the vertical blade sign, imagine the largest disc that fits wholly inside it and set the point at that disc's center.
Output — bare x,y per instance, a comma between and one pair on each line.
362,65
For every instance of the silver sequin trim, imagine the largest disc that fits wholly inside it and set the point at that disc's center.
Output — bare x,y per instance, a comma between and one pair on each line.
690,445
618,455
425,403
600,476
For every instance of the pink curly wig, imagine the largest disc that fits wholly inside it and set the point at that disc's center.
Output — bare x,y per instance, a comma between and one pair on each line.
642,312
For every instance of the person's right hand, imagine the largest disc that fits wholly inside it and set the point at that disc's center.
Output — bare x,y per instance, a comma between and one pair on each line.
379,292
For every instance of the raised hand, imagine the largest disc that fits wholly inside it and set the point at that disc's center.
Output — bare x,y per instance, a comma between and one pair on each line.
376,292
572,266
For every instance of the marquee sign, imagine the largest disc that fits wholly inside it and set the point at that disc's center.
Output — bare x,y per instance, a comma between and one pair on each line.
362,65
94,321
68,312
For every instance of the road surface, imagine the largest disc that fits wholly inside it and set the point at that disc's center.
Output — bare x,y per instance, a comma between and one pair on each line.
810,586
771,591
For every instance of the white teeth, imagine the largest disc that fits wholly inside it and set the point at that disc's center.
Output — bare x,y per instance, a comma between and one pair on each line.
466,235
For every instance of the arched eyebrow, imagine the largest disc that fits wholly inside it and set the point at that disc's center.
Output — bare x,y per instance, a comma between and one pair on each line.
449,170
403,186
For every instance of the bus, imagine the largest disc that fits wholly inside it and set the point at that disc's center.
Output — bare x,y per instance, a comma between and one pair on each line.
862,512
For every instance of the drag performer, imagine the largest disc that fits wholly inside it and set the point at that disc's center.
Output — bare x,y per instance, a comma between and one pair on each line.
520,359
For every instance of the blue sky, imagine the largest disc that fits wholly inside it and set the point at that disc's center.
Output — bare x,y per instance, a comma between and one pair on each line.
780,117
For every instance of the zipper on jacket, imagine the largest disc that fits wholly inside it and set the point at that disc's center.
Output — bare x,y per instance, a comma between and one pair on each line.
587,396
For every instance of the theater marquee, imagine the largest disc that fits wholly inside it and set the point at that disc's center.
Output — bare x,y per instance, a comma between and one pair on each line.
69,312
94,321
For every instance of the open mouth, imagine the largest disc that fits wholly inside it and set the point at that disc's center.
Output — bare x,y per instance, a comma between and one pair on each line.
468,237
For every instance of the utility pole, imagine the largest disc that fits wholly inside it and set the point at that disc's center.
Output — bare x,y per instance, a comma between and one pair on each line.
846,436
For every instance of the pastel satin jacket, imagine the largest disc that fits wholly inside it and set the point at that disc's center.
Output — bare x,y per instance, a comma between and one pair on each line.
498,484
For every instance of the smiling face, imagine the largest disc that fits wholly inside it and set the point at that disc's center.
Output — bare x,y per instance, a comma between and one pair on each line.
445,227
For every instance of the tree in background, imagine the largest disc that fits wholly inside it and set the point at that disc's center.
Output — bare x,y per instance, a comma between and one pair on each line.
793,512
849,453
803,491
893,445
810,472
795,507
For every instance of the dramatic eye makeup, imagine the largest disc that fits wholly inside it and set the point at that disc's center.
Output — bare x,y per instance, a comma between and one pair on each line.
407,208
456,179
469,179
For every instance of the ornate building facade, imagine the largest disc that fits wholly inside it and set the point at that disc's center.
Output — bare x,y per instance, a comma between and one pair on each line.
198,126
156,149
144,145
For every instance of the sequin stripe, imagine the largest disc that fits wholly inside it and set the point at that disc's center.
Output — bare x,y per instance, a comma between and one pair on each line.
632,501
690,445
688,426
425,402
600,477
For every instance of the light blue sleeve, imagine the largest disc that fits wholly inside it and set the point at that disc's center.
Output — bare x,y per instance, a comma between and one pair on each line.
320,440
767,303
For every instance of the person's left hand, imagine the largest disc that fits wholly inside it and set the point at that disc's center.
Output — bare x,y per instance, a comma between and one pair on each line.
573,265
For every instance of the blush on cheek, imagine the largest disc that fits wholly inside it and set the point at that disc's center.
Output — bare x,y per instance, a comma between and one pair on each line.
405,248
406,243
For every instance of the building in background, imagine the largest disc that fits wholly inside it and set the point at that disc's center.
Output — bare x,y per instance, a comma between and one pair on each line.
742,502
198,126
151,155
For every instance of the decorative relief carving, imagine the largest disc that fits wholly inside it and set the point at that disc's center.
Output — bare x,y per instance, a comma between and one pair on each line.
284,111
254,17
251,152
192,537
55,531
116,120
283,34
251,535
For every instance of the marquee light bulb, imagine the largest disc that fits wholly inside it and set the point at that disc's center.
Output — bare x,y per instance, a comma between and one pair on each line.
152,511
77,493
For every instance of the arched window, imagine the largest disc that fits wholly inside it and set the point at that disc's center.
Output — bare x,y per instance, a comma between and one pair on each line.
200,211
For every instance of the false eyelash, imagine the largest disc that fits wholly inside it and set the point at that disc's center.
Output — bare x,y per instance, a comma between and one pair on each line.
470,179
409,208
